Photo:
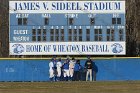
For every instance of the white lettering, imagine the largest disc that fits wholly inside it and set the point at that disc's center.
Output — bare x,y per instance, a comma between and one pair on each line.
17,32
20,38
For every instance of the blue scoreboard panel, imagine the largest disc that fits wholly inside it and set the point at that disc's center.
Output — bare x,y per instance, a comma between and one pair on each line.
67,28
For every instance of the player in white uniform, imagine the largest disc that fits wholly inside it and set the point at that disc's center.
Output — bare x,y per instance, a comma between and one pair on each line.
51,70
71,67
58,65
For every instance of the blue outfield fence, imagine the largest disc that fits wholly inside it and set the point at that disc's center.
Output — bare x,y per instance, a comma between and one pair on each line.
38,69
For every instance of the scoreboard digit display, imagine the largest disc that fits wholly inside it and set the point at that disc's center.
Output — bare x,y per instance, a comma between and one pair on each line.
67,28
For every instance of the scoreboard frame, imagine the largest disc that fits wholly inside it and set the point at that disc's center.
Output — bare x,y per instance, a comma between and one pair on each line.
67,28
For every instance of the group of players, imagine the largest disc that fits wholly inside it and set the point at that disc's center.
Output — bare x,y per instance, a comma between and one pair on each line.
70,69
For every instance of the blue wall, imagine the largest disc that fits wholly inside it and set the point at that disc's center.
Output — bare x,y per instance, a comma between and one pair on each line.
37,69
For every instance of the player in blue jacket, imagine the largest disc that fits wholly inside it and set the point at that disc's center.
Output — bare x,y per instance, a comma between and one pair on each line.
66,69
77,68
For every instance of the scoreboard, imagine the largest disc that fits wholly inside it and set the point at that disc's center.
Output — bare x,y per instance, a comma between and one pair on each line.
67,28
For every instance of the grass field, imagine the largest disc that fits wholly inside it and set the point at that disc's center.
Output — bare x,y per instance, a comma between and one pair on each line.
71,87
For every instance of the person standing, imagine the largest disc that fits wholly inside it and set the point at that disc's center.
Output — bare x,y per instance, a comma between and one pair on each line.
77,68
55,68
89,66
66,69
94,70
71,67
59,65
51,70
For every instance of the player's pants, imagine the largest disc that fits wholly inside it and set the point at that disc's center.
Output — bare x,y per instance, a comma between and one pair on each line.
51,73
94,75
89,73
66,73
71,72
58,72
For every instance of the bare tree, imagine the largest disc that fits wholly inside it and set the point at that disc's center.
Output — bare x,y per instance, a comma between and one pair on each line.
132,24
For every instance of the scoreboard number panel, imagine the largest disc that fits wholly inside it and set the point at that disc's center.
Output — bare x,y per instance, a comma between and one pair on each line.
67,28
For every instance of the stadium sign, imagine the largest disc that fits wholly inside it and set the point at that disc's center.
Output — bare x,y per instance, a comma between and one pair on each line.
67,27
64,48
67,6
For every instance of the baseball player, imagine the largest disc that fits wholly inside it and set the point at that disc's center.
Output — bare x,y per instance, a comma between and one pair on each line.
58,65
51,71
77,68
89,67
71,67
66,69
55,68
